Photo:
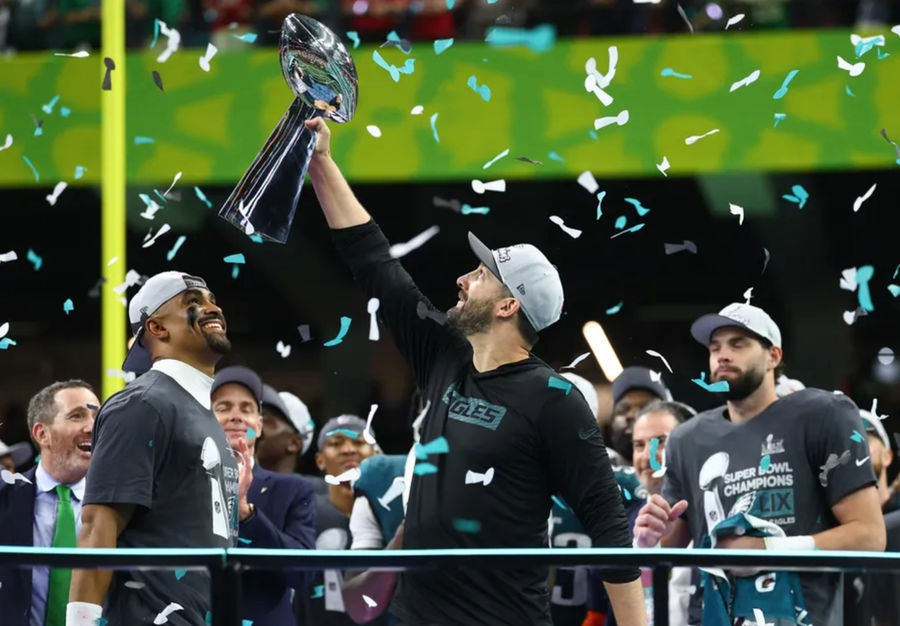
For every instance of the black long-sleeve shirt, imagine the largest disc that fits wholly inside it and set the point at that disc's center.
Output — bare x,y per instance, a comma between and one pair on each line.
540,440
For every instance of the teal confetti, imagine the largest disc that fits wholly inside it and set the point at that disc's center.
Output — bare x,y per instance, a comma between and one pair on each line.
68,307
235,271
245,541
48,108
439,445
894,289
615,308
34,259
407,68
246,37
178,243
849,93
779,117
641,210
434,127
450,4
863,276
79,171
654,449
864,45
179,574
5,343
37,459
141,140
150,444
668,71
600,197
251,434
765,463
621,221
423,469
346,432
235,258
318,591
38,131
256,239
857,437
65,111
393,37
559,383
896,271
441,45
625,493
484,91
633,229
882,55
555,157
477,210
246,622
559,502
202,197
798,195
161,197
539,39
101,621
719,387
353,36
345,326
593,134
31,165
469,526
782,91
155,32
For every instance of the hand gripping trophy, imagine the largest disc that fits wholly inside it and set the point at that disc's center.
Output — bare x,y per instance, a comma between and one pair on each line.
320,72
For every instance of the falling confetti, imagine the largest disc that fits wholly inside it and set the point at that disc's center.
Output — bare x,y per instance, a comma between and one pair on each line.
283,349
202,197
399,250
438,445
863,276
641,210
407,68
893,143
474,210
495,159
798,195
750,78
423,469
779,117
345,326
417,110
661,358
353,36
441,45
157,79
173,40
574,233
854,69
149,241
58,189
668,71
734,20
469,526
247,37
782,91
178,243
7,143
719,387
621,119
685,18
737,210
68,307
81,54
600,197
31,166
303,329
369,601
206,58
654,449
687,246
235,258
6,257
79,171
577,360
859,201
433,122
34,259
663,167
163,616
615,308
553,156
586,179
540,38
695,138
633,229
480,187
480,478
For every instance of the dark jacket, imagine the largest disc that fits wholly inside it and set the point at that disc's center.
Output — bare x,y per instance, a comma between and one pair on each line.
284,518
16,529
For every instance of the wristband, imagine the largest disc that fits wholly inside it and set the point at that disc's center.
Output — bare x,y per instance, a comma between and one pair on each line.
83,614
799,542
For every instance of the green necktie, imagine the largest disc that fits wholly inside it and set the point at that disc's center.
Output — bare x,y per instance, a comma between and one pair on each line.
63,537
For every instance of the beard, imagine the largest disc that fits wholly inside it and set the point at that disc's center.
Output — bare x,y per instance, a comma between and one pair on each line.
621,442
472,317
218,343
745,384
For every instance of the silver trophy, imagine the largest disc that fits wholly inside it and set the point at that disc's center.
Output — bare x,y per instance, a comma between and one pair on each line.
321,73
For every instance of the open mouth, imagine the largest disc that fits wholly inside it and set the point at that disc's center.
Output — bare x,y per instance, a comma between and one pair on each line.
214,324
84,446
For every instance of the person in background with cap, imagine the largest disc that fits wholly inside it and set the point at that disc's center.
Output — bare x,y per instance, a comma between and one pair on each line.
278,511
15,455
798,463
42,507
162,473
289,433
502,412
632,390
341,448
881,456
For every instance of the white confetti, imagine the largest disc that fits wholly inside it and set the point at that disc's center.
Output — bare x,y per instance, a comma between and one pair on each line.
81,54
859,201
163,616
695,138
372,308
750,78
734,20
283,349
367,431
8,256
9,478
495,159
848,279
369,601
174,180
417,423
896,30
126,376
7,143
748,295
112,261
4,329
655,376
494,185
149,241
373,130
173,40
664,166
132,278
417,110
737,210
210,53
855,69
574,233
586,179
351,475
399,250
134,584
58,189
474,478
578,359
662,358
621,119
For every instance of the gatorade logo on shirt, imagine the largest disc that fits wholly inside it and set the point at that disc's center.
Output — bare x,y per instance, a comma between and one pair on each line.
472,410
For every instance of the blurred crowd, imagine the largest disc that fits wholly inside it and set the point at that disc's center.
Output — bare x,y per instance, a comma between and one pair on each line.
53,24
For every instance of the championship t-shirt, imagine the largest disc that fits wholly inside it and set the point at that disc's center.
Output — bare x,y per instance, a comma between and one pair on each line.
156,447
521,424
788,465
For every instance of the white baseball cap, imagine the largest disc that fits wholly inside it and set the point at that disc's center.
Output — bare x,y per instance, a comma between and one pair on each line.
531,278
738,314
300,418
873,425
586,388
154,293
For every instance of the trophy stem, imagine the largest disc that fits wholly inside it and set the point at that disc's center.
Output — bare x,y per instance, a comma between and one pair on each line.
257,205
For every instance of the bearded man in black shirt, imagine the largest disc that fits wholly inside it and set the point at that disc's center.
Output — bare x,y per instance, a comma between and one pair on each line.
502,413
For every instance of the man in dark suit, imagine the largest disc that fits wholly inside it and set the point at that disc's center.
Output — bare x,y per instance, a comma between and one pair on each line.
279,510
32,509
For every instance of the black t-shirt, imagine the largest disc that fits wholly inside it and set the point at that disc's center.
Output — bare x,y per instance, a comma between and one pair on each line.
156,447
539,439
788,465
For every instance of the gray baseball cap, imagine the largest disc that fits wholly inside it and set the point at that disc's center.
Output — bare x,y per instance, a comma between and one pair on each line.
352,423
637,377
242,376
531,278
20,452
741,315
154,293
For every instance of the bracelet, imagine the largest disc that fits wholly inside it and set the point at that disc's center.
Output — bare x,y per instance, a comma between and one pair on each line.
798,542
83,613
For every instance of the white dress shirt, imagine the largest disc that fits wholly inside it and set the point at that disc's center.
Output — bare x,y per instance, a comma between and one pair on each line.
45,505
189,378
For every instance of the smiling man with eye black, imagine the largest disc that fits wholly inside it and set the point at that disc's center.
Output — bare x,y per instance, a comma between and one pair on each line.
163,473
